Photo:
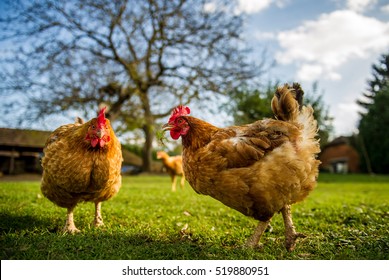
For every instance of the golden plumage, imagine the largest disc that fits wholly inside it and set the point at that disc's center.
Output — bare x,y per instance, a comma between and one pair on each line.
74,171
258,169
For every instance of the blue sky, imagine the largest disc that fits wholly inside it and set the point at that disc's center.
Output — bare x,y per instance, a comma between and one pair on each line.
333,42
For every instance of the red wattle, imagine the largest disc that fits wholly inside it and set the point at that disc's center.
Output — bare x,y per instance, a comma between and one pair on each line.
175,134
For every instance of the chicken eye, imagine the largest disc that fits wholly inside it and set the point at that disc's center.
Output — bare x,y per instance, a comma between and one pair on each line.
93,127
180,121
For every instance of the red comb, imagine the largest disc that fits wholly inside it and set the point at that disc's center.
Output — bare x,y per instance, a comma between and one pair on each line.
179,111
101,116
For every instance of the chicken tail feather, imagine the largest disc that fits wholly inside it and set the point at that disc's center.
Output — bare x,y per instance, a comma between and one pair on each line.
287,105
287,102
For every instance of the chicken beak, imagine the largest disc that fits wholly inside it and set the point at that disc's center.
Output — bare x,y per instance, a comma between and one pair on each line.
100,133
167,126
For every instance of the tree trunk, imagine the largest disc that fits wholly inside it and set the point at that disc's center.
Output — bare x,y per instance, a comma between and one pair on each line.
366,155
148,129
148,147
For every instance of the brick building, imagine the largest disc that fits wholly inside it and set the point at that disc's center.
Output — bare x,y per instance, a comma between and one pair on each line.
339,157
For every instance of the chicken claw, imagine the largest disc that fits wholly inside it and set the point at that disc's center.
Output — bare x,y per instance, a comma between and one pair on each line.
290,241
70,227
253,241
290,233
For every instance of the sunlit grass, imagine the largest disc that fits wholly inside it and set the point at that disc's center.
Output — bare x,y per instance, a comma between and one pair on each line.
346,217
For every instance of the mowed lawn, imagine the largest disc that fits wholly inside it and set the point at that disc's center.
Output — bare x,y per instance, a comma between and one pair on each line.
345,217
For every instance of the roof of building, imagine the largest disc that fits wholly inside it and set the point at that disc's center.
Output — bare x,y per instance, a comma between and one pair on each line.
338,141
23,137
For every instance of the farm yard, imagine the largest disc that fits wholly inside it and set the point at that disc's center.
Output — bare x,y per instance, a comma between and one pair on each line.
345,217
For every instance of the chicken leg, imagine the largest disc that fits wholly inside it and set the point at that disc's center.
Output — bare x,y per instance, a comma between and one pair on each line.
290,233
98,217
182,182
174,180
70,227
253,241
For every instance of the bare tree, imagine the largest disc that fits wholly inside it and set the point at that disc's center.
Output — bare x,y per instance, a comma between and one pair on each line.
140,58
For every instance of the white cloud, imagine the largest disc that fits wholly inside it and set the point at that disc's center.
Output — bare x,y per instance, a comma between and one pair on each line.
320,47
247,6
311,72
347,118
282,3
253,6
210,7
385,9
259,35
360,5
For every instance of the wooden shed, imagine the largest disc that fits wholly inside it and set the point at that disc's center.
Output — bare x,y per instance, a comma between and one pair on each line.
21,150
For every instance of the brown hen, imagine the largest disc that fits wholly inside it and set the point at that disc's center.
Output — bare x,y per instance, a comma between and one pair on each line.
258,169
82,163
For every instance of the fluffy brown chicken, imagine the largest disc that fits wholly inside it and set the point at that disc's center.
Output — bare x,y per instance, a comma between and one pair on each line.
81,163
258,169
173,166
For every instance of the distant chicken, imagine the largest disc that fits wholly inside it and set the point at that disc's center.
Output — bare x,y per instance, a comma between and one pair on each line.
173,165
258,169
82,163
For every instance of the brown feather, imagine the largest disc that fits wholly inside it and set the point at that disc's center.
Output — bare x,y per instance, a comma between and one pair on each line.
287,102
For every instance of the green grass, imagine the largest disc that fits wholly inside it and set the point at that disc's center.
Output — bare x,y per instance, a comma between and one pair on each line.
345,217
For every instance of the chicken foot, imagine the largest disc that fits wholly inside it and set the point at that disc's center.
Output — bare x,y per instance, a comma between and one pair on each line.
98,217
290,233
70,227
253,241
